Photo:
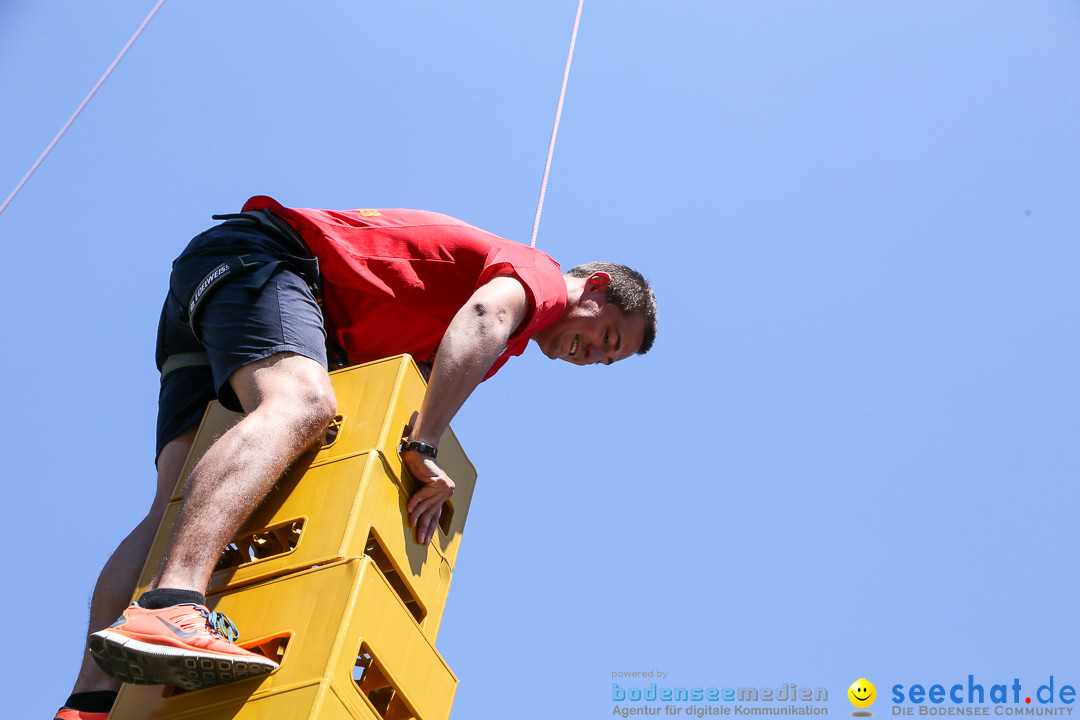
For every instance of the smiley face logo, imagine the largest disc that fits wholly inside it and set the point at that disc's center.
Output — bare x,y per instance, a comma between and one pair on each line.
862,693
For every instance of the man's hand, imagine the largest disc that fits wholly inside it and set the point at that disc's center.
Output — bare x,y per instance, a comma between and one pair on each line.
436,487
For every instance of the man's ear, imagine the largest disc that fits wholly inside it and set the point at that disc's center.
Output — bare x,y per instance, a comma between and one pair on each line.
598,281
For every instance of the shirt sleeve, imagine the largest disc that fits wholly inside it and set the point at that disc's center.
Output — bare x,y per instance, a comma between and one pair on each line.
543,281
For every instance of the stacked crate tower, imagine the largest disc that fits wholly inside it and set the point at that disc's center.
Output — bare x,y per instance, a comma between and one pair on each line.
327,578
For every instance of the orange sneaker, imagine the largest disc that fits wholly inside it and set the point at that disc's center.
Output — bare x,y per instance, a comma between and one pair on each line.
184,645
66,713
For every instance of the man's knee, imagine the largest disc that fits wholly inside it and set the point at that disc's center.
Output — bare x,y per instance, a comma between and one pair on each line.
317,405
313,392
306,414
294,388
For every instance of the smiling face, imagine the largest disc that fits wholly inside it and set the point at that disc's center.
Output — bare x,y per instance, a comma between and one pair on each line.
862,693
592,330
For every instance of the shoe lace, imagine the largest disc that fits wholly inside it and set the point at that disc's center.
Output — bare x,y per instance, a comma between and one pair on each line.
220,623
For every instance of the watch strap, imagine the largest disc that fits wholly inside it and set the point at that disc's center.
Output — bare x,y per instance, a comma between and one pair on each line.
423,448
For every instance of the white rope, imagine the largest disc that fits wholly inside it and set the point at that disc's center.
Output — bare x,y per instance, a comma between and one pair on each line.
555,128
80,108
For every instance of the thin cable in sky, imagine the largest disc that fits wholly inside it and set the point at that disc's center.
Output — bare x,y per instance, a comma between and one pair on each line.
555,128
81,106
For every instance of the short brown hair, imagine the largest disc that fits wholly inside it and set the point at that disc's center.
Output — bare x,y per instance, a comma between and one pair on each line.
629,291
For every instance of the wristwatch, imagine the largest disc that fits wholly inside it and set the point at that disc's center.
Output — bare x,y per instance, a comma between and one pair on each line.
423,448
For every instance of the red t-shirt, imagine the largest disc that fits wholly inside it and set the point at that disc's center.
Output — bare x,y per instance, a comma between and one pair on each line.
393,280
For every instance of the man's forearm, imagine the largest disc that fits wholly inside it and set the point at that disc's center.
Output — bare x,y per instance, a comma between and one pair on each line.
475,339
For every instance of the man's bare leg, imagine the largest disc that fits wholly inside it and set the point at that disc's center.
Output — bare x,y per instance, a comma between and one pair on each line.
169,637
118,578
290,403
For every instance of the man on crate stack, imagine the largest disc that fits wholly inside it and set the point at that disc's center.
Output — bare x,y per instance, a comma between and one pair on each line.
255,306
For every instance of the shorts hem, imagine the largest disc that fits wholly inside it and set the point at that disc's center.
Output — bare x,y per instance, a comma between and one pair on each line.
268,352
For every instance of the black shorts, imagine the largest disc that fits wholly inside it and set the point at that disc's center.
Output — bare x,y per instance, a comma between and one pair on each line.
247,317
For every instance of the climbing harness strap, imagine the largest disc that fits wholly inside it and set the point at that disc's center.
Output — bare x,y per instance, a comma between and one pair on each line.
259,266
180,361
272,224
262,265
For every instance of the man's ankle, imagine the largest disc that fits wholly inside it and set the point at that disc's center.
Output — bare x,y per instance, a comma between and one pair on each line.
100,701
167,597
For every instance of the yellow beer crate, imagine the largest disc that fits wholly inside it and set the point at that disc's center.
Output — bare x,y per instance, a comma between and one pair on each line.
317,701
340,626
376,403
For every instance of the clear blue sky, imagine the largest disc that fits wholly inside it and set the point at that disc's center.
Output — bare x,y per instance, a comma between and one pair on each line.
853,451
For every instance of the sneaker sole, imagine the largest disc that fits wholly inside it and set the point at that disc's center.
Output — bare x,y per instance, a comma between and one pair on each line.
141,663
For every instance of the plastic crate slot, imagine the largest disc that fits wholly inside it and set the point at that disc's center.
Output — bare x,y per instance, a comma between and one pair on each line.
375,550
260,545
333,431
447,517
272,647
377,688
